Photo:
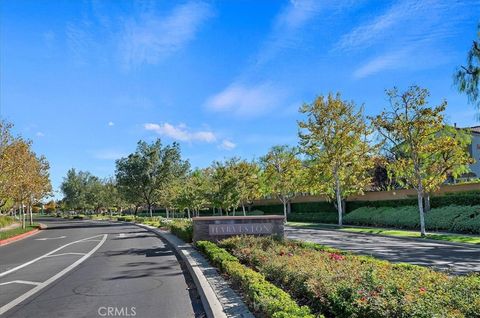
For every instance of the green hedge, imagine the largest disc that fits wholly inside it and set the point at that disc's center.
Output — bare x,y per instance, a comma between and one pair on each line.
262,297
182,228
457,198
320,217
454,218
342,285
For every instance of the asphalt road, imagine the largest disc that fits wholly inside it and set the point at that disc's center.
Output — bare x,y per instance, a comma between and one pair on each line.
94,269
448,257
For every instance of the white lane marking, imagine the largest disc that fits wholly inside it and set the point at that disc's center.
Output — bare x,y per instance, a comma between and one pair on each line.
90,241
50,238
36,289
27,282
62,254
45,255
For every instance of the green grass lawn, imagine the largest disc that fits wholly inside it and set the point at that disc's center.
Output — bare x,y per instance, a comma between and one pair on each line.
16,231
457,238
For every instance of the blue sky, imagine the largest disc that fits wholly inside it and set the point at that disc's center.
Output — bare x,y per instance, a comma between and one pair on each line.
85,80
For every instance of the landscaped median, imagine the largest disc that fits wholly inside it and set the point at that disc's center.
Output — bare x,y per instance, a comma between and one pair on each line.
262,297
340,284
17,233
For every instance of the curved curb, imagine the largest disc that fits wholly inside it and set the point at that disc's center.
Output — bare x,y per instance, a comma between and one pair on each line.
20,236
211,304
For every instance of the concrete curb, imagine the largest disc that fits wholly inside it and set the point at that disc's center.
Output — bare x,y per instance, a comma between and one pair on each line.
389,236
212,305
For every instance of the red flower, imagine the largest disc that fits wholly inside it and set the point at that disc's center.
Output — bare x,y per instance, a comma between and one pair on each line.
336,256
422,290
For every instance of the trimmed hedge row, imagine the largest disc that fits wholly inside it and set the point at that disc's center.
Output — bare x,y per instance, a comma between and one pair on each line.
263,298
319,217
454,218
457,198
339,284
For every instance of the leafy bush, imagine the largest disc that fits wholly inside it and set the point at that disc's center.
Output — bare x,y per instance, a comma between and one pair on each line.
454,218
320,217
262,297
183,229
345,285
6,221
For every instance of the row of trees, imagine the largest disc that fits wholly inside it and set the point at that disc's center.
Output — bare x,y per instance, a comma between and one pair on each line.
24,176
339,154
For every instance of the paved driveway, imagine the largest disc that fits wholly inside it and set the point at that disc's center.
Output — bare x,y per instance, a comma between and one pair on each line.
454,258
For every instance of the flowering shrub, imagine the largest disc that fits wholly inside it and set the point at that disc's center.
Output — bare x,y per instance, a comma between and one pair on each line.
341,284
263,298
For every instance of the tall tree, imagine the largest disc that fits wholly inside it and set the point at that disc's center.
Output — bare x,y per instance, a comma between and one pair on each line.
149,171
282,174
247,175
467,77
334,136
425,150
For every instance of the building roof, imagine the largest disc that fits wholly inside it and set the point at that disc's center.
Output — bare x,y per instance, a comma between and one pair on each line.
475,129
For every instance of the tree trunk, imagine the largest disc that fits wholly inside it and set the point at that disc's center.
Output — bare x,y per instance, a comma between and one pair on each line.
420,209
150,210
188,213
23,216
31,214
285,210
243,208
339,200
289,207
427,202
167,213
136,211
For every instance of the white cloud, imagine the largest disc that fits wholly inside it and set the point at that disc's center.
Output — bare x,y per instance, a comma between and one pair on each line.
285,32
245,100
150,38
381,63
40,134
181,132
108,154
227,145
111,124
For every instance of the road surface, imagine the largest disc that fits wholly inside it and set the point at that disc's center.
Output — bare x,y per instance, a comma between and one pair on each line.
94,269
451,258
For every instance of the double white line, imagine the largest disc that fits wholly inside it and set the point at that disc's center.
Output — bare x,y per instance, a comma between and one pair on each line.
40,286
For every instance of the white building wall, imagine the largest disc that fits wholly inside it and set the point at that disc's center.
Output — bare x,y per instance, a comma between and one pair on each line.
476,154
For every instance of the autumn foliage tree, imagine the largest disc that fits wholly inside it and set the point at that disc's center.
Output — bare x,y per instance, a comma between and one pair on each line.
425,150
334,136
283,174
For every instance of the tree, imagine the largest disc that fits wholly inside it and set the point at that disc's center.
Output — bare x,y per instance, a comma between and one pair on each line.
425,150
335,138
247,175
467,77
224,193
146,174
74,188
282,174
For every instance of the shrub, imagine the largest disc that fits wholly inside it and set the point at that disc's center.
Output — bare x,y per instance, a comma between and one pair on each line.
346,285
454,218
183,229
319,217
262,297
6,221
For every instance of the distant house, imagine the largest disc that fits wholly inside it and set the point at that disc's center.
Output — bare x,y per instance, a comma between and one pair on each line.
474,150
